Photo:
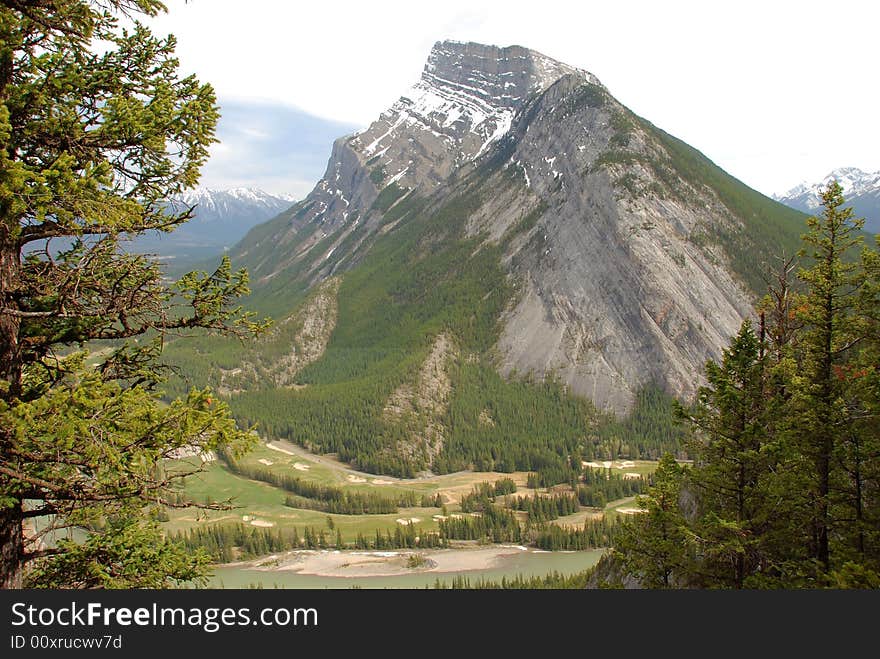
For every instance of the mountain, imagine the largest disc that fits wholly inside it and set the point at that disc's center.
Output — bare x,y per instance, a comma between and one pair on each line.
504,248
622,272
221,219
861,190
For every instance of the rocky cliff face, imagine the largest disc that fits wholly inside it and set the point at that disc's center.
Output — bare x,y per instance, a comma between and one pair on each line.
463,103
615,291
610,232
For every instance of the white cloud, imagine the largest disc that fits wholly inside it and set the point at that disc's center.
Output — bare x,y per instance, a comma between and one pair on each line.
772,91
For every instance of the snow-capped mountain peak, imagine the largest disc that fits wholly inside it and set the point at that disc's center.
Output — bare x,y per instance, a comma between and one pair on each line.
224,216
464,101
853,180
463,104
215,198
861,190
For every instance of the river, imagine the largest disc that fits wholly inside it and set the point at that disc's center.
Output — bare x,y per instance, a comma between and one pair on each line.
526,564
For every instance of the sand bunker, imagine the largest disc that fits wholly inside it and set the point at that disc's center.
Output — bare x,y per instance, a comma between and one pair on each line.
630,511
410,520
385,563
264,461
607,464
245,518
279,449
591,464
262,523
379,481
627,464
631,476
355,479
299,466
190,451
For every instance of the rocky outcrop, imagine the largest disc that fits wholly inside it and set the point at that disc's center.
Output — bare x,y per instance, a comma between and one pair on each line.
313,324
300,338
419,406
616,293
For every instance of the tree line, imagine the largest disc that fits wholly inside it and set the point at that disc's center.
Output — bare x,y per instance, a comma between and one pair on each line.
553,581
314,496
494,524
595,534
231,542
545,508
602,485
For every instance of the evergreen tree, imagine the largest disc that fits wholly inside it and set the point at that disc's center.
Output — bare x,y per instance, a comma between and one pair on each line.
655,545
732,463
822,419
786,480
97,130
859,453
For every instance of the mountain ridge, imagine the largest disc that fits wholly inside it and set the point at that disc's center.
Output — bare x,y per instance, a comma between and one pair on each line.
861,190
610,159
221,218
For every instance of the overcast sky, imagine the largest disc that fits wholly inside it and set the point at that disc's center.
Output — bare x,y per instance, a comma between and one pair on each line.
775,92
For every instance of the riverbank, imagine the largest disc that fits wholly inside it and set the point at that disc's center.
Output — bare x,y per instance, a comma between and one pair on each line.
354,563
389,569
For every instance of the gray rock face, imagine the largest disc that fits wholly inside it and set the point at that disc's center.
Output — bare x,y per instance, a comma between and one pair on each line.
616,287
463,103
614,293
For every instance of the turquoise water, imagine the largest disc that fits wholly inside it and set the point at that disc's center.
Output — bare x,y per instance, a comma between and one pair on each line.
526,564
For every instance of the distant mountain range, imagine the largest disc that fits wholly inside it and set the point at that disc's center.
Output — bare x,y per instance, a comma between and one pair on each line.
861,190
221,218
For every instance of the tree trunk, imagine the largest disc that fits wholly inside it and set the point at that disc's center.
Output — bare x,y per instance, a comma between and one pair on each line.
11,546
826,427
11,534
10,350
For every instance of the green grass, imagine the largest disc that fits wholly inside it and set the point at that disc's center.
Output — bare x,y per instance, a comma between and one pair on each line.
325,475
258,500
266,503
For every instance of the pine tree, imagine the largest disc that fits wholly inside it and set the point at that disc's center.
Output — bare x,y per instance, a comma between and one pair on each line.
859,453
93,141
732,463
786,478
833,283
655,545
